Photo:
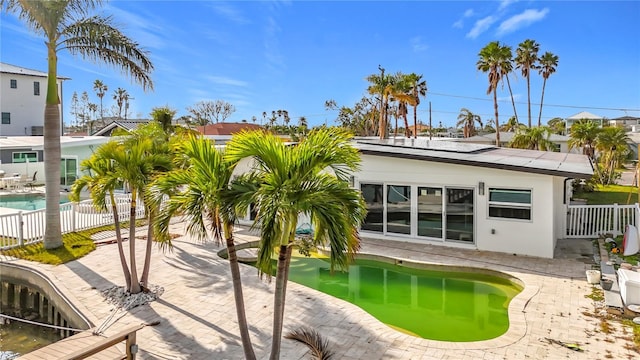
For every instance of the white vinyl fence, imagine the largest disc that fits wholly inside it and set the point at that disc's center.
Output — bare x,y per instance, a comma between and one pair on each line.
27,227
589,221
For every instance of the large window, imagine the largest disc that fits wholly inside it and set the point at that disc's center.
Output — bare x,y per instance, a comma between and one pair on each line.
22,157
399,209
430,212
510,203
459,214
36,88
6,118
372,194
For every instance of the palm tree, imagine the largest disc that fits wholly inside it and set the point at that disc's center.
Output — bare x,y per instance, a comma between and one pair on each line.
310,178
381,86
493,58
548,63
532,138
418,89
526,58
583,135
120,95
467,120
506,69
101,89
164,116
100,180
200,191
612,143
66,25
557,125
512,125
401,92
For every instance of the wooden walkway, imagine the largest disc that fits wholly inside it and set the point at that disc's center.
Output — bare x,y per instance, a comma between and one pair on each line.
86,345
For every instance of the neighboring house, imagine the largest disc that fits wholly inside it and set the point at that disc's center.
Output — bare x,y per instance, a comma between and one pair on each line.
224,128
24,155
467,195
584,115
627,122
127,125
22,103
560,141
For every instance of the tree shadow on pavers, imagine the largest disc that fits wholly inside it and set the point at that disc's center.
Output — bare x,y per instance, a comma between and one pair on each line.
189,342
90,276
205,270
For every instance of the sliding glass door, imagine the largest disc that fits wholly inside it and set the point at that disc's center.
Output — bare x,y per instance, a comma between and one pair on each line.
430,212
399,209
459,210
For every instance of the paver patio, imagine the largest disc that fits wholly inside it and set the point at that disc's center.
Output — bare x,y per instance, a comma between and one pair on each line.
198,321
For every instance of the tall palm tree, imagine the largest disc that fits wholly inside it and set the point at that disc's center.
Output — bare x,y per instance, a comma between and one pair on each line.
401,92
100,180
506,69
548,63
418,89
200,192
467,120
381,86
120,95
583,135
526,59
101,90
532,138
310,178
492,59
66,25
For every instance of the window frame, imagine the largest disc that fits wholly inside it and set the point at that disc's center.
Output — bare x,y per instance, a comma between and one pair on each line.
510,204
13,83
13,157
36,88
6,121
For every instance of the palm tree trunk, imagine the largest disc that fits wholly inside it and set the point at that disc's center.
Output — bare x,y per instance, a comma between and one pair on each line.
116,223
513,102
544,83
278,303
495,108
144,279
135,282
53,230
395,130
529,97
415,121
237,292
406,124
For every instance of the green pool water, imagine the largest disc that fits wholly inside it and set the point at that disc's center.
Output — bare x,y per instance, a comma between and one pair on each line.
445,306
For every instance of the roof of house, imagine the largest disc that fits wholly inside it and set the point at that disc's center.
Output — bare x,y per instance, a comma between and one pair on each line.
506,136
623,118
480,155
37,142
585,115
224,128
123,124
13,69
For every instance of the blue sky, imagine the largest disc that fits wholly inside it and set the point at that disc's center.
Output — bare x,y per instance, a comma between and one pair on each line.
295,55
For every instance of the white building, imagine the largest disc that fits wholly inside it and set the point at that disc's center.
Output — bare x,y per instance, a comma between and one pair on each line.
584,115
22,100
467,195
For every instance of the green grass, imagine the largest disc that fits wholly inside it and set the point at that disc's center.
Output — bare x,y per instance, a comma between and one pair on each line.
75,246
609,194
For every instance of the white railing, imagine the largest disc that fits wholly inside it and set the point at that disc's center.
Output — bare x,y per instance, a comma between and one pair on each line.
27,227
589,221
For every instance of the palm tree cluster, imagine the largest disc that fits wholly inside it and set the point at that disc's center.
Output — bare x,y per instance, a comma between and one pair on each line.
498,62
388,95
606,147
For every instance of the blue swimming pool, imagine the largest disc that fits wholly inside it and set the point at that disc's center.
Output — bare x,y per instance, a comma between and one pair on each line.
27,202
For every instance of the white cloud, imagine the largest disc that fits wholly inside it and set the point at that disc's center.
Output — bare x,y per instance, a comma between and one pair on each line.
521,20
229,12
223,80
417,45
460,23
468,13
505,3
481,26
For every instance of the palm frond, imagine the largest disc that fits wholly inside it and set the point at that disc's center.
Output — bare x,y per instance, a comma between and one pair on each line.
319,346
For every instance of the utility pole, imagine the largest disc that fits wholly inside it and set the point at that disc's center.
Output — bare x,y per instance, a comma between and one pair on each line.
430,127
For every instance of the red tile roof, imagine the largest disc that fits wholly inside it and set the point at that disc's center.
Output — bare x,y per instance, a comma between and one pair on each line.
226,128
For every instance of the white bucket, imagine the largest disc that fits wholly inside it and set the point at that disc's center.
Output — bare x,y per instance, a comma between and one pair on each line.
593,276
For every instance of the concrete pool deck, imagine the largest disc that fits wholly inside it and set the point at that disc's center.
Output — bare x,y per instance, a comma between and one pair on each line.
197,312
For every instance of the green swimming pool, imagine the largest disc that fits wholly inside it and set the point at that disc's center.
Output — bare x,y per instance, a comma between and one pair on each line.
445,306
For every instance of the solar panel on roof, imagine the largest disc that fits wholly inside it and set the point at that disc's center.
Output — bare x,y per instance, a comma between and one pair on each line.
435,145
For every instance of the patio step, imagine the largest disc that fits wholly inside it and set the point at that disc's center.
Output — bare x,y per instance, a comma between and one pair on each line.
612,298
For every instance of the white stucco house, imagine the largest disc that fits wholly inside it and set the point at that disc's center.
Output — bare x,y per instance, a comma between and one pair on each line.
467,195
583,115
22,100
